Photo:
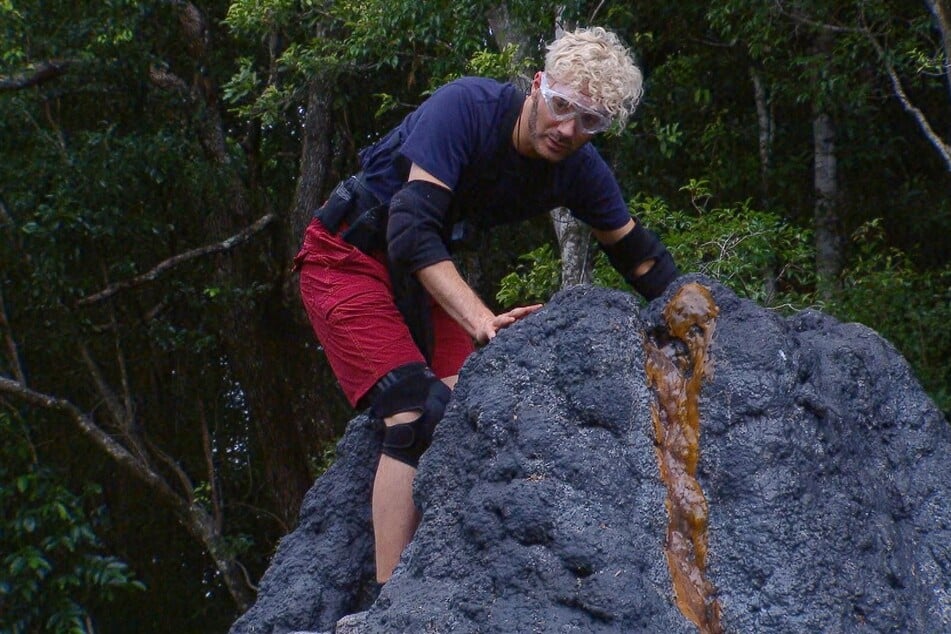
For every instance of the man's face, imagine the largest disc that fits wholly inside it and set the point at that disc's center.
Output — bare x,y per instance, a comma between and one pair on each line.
561,120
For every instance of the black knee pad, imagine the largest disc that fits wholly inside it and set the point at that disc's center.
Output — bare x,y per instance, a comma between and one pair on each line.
411,387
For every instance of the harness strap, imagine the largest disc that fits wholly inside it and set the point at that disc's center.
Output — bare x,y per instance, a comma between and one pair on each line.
352,203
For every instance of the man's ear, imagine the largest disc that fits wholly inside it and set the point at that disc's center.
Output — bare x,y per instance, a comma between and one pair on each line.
537,80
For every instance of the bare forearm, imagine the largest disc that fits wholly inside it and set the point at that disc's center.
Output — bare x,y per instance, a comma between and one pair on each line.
443,282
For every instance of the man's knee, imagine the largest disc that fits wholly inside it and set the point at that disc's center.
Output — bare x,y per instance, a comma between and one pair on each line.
412,387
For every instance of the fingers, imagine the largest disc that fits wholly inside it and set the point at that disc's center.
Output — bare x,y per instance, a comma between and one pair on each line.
523,311
510,317
503,320
486,331
491,328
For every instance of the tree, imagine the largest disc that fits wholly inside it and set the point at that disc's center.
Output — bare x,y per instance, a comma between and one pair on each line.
842,58
937,65
53,573
142,267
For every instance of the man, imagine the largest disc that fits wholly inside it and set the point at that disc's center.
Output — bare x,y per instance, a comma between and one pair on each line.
395,317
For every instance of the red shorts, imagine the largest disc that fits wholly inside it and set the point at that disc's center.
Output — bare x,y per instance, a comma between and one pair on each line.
349,299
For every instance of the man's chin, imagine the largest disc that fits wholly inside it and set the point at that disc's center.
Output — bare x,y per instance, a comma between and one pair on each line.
553,151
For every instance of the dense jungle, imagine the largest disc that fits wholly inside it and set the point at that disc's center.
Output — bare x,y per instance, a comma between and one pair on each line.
164,405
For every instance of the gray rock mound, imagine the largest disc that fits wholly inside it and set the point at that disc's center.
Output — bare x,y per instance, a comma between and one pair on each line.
825,473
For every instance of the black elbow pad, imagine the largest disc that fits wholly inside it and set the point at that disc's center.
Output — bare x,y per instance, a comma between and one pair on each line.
635,248
653,283
417,219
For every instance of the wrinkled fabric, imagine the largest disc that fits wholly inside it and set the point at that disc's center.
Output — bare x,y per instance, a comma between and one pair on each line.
349,300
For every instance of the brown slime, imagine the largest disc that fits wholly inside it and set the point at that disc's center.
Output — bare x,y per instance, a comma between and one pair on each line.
675,370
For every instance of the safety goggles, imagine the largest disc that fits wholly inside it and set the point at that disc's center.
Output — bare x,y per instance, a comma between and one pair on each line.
563,108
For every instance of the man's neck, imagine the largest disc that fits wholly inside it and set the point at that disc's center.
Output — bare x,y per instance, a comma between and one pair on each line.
521,134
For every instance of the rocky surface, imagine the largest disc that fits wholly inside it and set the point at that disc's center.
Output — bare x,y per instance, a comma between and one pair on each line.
816,495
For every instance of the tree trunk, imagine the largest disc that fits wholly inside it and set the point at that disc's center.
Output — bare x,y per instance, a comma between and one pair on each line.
574,242
574,238
507,33
263,339
261,353
826,220
764,117
315,156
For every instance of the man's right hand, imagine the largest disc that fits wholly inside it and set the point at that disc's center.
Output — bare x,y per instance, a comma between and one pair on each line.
491,327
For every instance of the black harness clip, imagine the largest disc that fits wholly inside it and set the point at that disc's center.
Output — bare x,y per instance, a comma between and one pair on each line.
351,203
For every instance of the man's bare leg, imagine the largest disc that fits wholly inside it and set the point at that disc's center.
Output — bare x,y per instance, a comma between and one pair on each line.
395,516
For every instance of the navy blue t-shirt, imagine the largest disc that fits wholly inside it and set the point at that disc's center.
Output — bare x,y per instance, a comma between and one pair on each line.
462,136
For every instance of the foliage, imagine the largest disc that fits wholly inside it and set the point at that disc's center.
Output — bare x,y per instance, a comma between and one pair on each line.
821,56
503,64
908,306
395,50
764,259
754,252
536,278
54,569
104,175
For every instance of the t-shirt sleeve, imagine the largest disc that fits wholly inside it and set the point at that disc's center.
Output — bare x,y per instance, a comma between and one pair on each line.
596,197
444,134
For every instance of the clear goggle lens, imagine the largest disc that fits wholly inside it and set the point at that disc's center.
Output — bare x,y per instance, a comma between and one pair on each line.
563,108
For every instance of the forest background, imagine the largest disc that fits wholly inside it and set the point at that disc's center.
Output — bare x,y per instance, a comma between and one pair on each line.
163,404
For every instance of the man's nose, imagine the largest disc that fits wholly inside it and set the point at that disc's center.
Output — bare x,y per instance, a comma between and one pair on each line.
568,127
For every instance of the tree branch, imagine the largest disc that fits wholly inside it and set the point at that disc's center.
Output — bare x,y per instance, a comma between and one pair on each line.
121,420
166,80
942,14
183,479
261,511
166,265
214,489
41,72
192,516
88,427
141,444
5,217
106,393
594,12
13,355
7,222
247,577
824,26
943,148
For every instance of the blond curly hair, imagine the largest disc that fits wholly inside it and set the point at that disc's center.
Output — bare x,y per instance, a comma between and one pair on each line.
595,62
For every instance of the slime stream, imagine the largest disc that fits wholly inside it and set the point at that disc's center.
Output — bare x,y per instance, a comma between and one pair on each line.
676,365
